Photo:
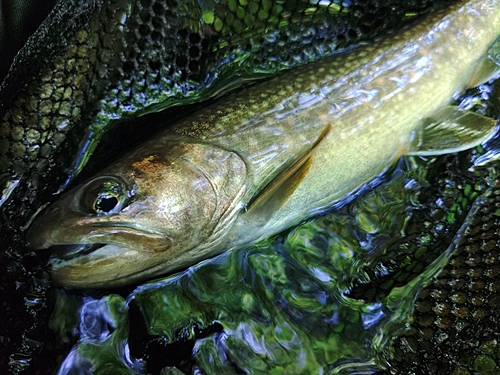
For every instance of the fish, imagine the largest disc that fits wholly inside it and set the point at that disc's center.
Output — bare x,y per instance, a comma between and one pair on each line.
93,65
93,58
267,158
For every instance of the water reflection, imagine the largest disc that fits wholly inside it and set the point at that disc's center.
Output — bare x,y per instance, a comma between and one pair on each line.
75,364
103,345
282,305
96,322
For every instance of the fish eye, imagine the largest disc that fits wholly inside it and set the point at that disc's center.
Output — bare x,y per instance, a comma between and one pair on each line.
105,196
105,202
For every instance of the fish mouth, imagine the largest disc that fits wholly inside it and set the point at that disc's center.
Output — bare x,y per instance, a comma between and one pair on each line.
107,257
96,266
71,252
85,238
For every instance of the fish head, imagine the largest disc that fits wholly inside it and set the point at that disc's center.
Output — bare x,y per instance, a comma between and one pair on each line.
145,215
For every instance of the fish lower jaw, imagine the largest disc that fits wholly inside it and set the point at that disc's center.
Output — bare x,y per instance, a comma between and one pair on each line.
68,252
100,266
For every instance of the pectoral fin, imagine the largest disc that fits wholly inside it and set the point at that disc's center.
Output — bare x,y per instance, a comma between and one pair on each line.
452,130
489,66
279,190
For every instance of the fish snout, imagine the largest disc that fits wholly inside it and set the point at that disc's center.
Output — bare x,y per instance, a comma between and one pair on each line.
39,234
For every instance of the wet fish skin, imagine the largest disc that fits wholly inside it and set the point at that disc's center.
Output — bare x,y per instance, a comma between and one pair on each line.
191,192
47,162
94,63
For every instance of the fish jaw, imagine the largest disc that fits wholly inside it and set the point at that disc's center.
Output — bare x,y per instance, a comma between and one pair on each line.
108,266
117,234
108,253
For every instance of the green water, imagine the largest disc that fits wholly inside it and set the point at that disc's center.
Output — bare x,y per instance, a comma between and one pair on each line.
330,296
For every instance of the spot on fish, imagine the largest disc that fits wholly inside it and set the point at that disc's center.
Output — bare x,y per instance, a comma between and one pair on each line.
151,164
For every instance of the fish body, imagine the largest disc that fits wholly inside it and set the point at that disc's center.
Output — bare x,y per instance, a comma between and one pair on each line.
269,157
95,63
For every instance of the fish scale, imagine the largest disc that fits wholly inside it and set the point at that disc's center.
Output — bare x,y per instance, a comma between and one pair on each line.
91,65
